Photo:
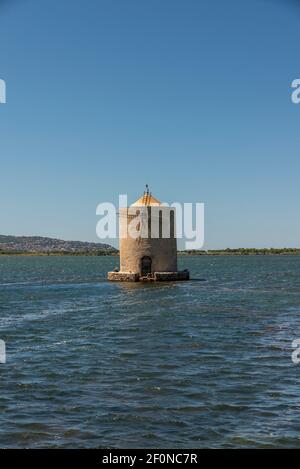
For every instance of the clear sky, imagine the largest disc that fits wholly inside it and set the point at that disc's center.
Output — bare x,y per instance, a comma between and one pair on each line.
192,97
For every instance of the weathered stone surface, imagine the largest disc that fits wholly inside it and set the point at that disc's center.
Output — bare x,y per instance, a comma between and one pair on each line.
157,277
162,251
171,276
148,245
123,276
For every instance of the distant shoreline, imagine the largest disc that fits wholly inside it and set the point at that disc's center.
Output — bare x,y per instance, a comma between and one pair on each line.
242,252
210,252
11,245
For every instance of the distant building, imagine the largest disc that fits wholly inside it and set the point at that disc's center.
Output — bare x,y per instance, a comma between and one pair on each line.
148,245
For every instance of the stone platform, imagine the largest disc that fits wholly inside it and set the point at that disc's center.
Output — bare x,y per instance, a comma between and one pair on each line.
171,276
156,277
123,277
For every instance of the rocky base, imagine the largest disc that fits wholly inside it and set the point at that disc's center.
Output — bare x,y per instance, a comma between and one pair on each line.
123,277
171,276
156,277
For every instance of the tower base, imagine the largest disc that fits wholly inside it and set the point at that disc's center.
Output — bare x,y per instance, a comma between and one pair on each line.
155,277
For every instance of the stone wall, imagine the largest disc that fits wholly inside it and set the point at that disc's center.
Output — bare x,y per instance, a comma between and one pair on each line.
163,251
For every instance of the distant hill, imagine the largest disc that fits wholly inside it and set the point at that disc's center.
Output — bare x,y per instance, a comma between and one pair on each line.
40,244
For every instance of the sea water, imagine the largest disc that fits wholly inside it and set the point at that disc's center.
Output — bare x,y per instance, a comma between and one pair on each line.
202,363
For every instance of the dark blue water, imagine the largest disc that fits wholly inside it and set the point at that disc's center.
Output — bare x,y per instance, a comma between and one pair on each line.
205,363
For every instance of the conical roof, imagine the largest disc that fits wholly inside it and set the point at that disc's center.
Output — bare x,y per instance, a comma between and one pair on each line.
146,199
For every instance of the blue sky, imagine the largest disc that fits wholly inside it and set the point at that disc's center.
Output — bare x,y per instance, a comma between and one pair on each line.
190,96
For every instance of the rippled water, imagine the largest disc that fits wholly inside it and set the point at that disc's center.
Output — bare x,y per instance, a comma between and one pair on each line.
204,363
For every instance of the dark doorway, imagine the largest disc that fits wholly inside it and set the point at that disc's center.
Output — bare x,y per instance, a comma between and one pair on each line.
146,265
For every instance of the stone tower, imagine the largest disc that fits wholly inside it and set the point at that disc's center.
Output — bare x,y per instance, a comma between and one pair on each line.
148,245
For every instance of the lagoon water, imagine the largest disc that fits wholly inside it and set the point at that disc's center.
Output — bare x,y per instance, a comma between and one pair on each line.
204,363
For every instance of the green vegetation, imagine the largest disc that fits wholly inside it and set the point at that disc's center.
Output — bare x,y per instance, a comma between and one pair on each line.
115,252
43,246
241,252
